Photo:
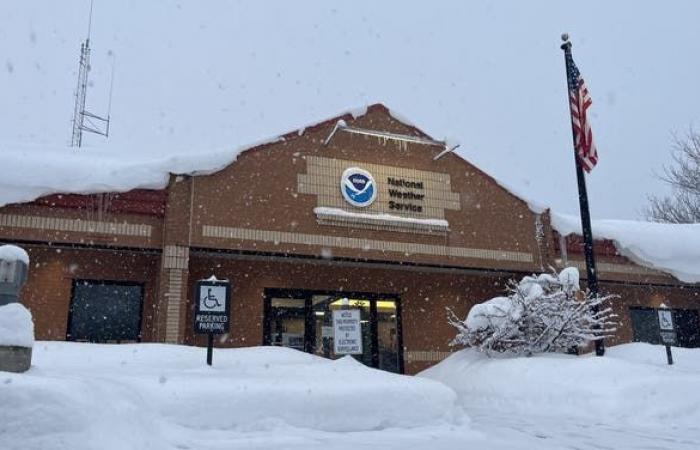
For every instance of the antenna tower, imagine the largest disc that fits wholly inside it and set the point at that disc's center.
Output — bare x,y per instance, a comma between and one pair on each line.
83,120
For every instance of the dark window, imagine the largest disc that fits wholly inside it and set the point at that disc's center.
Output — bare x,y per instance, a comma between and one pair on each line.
687,326
105,311
645,326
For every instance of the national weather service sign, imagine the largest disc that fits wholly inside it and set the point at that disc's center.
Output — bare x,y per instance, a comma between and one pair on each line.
358,187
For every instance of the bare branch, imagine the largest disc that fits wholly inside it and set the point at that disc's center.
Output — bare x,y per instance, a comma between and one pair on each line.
683,175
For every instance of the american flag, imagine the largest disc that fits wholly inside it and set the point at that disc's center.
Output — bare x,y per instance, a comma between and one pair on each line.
580,101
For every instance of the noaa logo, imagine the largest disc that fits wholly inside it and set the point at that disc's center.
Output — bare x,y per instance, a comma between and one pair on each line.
358,187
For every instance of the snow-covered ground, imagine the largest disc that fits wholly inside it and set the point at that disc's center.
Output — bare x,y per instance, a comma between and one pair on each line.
81,396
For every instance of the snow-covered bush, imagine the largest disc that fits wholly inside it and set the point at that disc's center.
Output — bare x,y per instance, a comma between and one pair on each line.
541,313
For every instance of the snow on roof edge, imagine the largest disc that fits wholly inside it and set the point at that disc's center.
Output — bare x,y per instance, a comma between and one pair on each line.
101,171
670,248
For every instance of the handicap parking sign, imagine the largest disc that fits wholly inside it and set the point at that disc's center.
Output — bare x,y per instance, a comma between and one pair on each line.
212,310
212,298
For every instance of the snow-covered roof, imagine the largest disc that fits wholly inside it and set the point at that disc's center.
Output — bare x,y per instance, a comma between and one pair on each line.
30,172
671,248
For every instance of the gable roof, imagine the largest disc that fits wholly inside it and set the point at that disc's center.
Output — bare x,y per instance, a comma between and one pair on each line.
32,172
28,173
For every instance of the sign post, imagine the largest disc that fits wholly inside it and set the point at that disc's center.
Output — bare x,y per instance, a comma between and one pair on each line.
212,310
667,330
347,332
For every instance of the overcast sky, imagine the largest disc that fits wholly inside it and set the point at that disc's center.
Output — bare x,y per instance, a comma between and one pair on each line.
197,76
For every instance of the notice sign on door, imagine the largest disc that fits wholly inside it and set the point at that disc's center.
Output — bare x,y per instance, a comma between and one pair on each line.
347,332
212,307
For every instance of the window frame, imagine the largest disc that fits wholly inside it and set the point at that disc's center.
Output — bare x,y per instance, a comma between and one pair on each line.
76,281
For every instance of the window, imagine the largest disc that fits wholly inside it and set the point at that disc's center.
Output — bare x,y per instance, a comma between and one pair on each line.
105,311
645,326
687,326
304,320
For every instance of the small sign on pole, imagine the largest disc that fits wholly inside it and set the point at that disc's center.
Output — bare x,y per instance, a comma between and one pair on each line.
667,331
212,310
347,332
666,319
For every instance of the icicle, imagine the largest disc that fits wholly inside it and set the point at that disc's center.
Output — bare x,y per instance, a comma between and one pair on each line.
539,237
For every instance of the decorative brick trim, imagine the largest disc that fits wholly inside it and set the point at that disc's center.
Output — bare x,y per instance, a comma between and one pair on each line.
174,299
75,225
248,234
176,257
425,356
615,268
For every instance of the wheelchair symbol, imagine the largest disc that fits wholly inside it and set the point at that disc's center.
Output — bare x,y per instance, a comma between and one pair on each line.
210,301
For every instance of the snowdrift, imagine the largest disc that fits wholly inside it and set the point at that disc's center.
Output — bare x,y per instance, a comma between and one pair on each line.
144,393
631,384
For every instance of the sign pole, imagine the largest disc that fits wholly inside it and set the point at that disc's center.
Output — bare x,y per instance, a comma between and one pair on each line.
210,348
667,330
591,272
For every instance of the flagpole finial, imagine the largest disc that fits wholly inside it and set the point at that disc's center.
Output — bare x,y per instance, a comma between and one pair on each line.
566,46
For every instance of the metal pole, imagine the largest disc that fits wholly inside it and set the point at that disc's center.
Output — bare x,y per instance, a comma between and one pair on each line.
210,348
591,272
669,355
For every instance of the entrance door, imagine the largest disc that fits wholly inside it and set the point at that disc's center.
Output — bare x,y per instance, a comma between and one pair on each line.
105,311
285,322
304,320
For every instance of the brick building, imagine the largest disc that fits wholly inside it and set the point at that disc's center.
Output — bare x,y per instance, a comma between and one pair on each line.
363,207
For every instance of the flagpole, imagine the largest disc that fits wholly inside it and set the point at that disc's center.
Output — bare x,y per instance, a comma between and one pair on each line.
592,273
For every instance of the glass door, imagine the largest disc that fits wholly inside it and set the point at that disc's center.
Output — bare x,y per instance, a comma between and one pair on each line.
303,320
388,345
286,322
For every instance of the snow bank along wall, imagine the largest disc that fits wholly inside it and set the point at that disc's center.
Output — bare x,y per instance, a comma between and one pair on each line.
434,234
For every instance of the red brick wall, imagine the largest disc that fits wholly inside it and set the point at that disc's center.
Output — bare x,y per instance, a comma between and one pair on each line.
424,297
52,271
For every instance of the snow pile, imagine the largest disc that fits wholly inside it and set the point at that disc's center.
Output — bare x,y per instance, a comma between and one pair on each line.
146,393
16,326
13,253
631,384
671,248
